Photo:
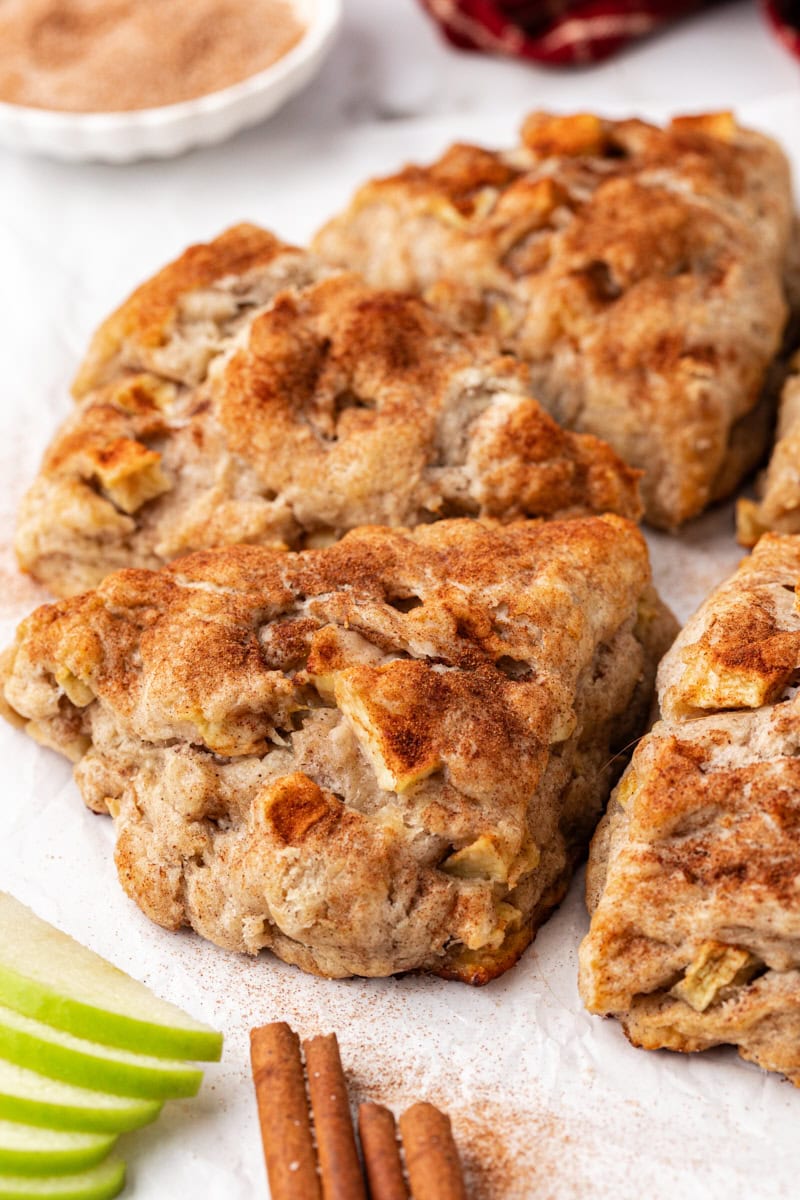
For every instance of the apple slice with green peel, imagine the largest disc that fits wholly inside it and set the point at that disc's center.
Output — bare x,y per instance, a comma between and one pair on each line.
59,1055
30,1097
31,1150
47,975
100,1183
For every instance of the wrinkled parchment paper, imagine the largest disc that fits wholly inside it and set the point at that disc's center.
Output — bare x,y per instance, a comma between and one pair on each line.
546,1101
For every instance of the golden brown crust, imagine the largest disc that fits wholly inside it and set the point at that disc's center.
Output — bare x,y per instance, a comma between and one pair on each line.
638,270
312,752
146,319
778,508
693,874
320,405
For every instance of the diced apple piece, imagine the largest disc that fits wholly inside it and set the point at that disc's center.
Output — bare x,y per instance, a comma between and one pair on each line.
28,1096
49,976
59,1055
31,1150
715,966
129,473
482,859
370,722
100,1183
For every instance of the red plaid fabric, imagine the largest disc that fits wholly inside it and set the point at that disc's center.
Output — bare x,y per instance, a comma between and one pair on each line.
785,17
575,32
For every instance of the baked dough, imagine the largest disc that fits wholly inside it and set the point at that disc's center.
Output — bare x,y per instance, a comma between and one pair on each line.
693,874
249,394
381,756
779,505
638,270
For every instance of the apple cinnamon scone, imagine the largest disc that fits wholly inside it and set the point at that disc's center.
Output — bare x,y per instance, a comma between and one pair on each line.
249,394
694,873
778,508
638,270
380,756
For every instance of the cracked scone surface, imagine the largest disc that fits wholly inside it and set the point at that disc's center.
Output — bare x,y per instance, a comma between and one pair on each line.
380,756
249,394
638,270
694,874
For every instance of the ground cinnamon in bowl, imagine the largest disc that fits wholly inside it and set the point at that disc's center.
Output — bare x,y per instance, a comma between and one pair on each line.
121,55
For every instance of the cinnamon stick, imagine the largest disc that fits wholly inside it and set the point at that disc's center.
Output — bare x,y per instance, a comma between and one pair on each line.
336,1143
381,1152
434,1170
283,1113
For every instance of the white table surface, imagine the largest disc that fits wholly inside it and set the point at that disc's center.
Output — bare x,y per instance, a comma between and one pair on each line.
578,1111
392,64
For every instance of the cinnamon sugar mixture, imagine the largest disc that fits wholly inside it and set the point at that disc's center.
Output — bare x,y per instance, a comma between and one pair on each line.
117,55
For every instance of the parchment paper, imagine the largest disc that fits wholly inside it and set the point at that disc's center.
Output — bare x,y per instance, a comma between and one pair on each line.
547,1101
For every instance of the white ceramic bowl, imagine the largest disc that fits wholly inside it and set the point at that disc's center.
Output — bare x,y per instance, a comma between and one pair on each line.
162,132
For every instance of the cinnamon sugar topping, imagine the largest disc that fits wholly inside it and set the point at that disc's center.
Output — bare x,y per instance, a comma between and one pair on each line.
118,55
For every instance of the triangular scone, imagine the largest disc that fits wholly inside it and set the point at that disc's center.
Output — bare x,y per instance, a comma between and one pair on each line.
247,393
381,756
637,269
779,506
694,874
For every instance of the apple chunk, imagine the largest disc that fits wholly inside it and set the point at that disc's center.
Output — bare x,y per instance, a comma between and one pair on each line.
31,1150
59,1055
100,1183
47,975
28,1096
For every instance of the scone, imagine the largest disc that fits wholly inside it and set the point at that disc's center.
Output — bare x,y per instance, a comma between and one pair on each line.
779,505
694,874
249,394
380,756
637,269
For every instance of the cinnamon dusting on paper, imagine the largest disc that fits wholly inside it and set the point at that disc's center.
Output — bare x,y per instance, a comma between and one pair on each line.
19,594
511,1154
119,55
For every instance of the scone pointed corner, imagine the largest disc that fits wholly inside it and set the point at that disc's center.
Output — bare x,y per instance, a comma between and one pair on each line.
144,323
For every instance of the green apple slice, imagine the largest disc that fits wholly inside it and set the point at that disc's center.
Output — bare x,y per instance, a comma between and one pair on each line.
101,1183
27,1096
49,976
59,1055
31,1150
